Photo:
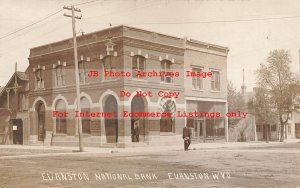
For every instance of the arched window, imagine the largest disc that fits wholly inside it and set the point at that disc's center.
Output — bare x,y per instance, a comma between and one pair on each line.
109,65
166,68
39,77
138,64
61,122
86,121
167,123
60,75
83,72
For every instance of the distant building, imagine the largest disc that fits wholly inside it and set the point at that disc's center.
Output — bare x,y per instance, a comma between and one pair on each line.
14,122
272,131
253,128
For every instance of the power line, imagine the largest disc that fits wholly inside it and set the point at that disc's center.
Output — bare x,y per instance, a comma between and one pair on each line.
216,21
22,28
88,2
48,16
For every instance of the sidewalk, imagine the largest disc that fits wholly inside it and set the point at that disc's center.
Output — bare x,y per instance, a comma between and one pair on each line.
193,146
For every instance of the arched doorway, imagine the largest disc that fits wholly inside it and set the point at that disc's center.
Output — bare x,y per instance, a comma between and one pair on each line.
86,121
40,108
111,123
138,105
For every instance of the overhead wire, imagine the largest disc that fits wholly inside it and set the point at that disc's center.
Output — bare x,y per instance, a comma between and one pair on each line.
34,23
87,2
215,21
44,18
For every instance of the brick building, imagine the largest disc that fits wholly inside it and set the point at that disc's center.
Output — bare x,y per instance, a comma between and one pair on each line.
128,50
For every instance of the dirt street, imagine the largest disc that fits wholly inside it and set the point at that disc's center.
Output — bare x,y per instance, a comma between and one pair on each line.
275,166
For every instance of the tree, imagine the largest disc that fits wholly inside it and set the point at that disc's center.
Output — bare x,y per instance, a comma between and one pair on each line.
279,84
265,112
235,102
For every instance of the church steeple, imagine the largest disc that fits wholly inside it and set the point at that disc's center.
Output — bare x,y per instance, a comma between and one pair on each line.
243,87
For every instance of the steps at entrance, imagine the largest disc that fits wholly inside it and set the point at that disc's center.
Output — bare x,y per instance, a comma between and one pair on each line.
137,144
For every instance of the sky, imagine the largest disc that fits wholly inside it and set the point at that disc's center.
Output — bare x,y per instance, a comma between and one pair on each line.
250,28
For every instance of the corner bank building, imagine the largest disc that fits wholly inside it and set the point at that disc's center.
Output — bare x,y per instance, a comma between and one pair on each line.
112,98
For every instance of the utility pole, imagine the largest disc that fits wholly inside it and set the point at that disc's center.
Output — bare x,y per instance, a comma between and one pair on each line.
76,70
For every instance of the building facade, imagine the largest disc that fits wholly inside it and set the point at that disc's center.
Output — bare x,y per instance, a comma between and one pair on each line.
14,122
128,77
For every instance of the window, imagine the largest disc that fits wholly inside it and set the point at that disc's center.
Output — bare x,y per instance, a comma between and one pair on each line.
109,65
273,127
215,81
167,123
39,77
86,121
166,69
197,81
138,64
83,72
259,128
215,128
23,105
61,122
60,75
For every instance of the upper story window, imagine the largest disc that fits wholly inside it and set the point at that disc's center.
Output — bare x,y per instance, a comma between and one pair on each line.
197,81
166,68
109,65
39,79
60,75
215,81
138,64
83,72
22,102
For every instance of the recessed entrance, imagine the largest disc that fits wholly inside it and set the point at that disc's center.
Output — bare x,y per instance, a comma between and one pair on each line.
41,121
111,123
138,124
17,127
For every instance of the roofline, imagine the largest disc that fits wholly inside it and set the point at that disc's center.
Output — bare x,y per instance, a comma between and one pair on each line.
140,29
4,87
181,38
208,44
77,37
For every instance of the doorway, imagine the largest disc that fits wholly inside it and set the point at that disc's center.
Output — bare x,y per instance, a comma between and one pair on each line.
17,128
111,123
138,125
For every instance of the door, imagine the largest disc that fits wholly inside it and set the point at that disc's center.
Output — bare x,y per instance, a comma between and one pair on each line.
198,130
17,128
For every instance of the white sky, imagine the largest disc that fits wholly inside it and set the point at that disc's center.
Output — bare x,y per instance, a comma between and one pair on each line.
249,41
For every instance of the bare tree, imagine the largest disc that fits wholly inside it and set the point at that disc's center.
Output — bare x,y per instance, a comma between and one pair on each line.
277,80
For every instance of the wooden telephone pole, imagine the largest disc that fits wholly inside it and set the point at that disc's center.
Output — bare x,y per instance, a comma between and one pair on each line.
76,70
